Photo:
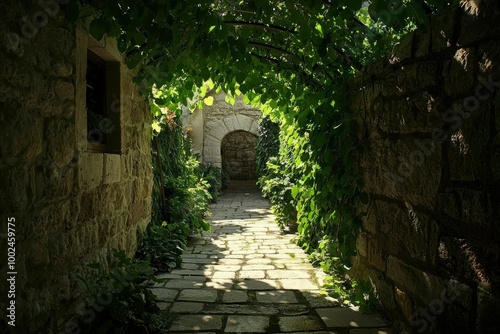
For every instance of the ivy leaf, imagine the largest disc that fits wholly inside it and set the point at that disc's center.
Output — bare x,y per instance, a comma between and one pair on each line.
98,28
209,100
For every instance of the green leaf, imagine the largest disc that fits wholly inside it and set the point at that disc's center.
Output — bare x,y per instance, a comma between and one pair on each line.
98,28
295,191
209,100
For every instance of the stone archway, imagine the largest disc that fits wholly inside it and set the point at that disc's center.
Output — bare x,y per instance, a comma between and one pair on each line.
218,130
238,155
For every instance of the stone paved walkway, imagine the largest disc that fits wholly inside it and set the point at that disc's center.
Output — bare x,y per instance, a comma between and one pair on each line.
247,277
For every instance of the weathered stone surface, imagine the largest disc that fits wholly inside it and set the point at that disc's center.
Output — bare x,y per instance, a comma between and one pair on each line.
198,295
298,284
488,309
243,309
277,296
443,29
349,318
458,72
301,323
165,294
197,323
257,285
241,324
184,284
234,296
186,307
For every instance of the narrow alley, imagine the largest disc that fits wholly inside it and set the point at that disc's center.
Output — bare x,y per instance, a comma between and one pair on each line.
245,276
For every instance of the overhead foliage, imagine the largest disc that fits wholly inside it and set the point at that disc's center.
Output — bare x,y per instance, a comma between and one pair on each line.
291,57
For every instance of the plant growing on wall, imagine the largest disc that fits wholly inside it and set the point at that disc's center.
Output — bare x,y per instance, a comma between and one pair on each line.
181,194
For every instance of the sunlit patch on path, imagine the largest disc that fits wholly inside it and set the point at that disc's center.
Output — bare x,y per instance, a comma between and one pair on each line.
245,276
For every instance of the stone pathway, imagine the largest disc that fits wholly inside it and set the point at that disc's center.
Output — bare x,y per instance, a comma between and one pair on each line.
247,277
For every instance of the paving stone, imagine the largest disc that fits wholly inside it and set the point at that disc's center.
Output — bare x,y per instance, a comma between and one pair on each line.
246,323
254,256
316,300
234,296
225,268
251,274
300,323
195,278
189,266
257,285
349,317
163,306
224,274
186,272
287,274
298,284
256,267
186,307
220,283
230,261
165,294
198,295
276,296
184,284
241,309
168,275
293,309
259,261
197,323
200,261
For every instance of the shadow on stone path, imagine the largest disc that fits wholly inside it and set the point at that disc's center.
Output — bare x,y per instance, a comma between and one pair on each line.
245,276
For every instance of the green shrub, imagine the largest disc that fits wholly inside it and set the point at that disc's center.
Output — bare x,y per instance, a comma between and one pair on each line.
121,299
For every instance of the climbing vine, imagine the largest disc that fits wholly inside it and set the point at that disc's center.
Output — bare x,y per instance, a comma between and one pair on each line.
293,58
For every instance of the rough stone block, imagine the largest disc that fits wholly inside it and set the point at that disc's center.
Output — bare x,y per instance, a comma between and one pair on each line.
198,295
469,206
403,50
246,323
471,129
458,73
197,323
394,169
298,284
59,134
163,294
112,168
234,296
349,318
277,296
90,170
415,281
421,43
299,323
488,309
443,29
186,307
478,21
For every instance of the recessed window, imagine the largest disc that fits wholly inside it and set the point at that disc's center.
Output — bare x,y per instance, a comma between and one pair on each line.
102,102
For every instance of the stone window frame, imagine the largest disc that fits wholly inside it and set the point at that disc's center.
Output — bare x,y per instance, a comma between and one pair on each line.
107,52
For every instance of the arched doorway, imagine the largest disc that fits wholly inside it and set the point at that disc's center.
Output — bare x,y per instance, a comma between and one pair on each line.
238,155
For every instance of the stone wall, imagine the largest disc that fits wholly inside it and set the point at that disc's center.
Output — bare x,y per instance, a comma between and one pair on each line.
71,206
432,167
212,123
238,155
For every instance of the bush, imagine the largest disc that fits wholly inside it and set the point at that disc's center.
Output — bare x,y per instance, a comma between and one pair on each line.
122,299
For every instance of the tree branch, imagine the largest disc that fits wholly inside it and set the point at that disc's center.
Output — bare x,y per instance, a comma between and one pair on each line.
259,25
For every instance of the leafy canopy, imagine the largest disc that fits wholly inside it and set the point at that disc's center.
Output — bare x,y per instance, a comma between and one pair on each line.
290,54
